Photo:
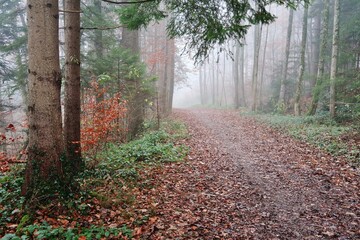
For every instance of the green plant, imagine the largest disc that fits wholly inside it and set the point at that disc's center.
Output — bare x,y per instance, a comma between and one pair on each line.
319,130
11,200
45,231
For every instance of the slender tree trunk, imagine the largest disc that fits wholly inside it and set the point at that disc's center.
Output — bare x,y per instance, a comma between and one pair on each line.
254,85
334,54
236,76
205,84
302,62
201,85
135,114
99,47
281,102
72,84
213,80
44,109
165,76
321,66
217,88
171,74
242,78
263,66
315,51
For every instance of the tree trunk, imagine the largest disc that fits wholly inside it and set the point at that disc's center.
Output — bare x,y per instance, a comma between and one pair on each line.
98,41
315,51
242,78
263,66
302,62
236,76
135,114
72,84
321,66
171,74
281,102
254,85
213,80
334,54
44,109
201,85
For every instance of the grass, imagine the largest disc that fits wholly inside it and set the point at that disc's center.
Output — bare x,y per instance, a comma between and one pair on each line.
320,131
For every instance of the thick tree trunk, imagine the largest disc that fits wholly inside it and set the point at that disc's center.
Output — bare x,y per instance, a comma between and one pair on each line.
281,102
334,54
321,66
44,110
72,84
302,62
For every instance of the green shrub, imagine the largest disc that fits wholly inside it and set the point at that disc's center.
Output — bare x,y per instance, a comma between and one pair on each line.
45,231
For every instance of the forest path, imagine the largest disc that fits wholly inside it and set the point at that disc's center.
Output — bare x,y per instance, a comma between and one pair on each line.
244,180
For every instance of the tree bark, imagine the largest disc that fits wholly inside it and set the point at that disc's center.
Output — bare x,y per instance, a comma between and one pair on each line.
72,84
302,62
334,54
44,109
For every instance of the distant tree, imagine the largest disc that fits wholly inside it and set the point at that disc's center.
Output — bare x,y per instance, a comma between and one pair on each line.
135,114
302,62
334,56
255,75
281,101
13,52
237,76
321,65
314,41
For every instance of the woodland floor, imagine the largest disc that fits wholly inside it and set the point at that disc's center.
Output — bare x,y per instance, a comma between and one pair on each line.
243,180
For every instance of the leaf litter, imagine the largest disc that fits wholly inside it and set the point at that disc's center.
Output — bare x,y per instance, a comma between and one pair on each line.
244,180
241,180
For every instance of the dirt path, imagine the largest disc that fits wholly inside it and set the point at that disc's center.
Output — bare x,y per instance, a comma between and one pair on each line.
246,181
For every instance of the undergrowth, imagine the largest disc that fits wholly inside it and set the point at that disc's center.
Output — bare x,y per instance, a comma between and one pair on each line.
111,182
320,131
